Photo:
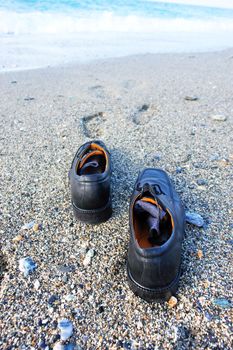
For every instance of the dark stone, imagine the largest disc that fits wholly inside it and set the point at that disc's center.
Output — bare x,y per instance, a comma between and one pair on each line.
127,345
56,337
191,98
101,309
157,157
202,182
120,343
143,108
29,99
230,241
208,316
52,299
42,344
54,325
179,170
65,269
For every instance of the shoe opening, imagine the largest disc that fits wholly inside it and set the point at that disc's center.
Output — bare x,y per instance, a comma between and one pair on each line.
94,161
152,224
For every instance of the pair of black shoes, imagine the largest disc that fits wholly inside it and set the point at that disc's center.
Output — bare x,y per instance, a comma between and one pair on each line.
156,218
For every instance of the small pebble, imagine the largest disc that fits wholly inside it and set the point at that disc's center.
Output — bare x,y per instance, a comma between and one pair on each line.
223,162
219,117
53,299
27,265
37,284
17,239
202,182
191,98
199,254
66,328
194,218
29,98
172,302
223,303
37,227
69,297
28,226
88,257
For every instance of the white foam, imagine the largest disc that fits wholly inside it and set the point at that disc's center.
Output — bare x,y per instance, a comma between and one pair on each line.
37,39
58,23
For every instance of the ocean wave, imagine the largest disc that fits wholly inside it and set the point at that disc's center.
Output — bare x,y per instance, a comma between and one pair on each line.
38,22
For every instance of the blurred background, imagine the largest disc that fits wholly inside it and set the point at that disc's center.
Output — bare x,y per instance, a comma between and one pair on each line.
50,32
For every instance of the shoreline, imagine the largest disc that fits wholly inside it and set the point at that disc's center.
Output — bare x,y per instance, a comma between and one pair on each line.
81,62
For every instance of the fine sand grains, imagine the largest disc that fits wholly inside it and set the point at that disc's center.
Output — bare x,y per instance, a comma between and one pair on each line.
139,107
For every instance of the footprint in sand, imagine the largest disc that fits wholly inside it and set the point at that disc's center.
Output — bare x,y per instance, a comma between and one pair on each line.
144,114
92,125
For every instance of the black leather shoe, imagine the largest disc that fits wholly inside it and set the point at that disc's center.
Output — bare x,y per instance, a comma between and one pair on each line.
90,176
157,221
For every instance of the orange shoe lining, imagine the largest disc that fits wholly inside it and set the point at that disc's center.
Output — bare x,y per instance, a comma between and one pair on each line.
141,228
96,150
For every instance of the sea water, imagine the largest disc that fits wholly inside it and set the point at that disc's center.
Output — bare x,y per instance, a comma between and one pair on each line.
51,32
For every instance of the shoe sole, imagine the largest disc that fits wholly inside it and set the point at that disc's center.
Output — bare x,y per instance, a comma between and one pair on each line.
96,216
158,295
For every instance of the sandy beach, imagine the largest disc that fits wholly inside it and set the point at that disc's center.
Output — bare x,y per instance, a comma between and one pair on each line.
172,111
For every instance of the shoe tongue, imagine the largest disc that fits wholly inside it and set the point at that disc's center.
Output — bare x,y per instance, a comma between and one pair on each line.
90,163
155,214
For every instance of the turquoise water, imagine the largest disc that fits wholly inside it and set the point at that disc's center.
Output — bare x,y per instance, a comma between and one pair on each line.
38,33
123,8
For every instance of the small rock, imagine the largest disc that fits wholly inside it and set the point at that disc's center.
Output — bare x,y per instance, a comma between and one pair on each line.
219,117
172,302
65,269
139,325
206,284
45,321
52,299
37,284
59,346
88,257
90,253
199,254
42,344
28,226
179,170
66,328
191,98
27,265
17,239
223,303
214,157
157,157
193,218
101,309
29,98
64,278
69,297
202,182
223,162
37,227
208,316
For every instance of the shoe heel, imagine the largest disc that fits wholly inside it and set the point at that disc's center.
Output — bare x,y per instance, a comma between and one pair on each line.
93,216
153,295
